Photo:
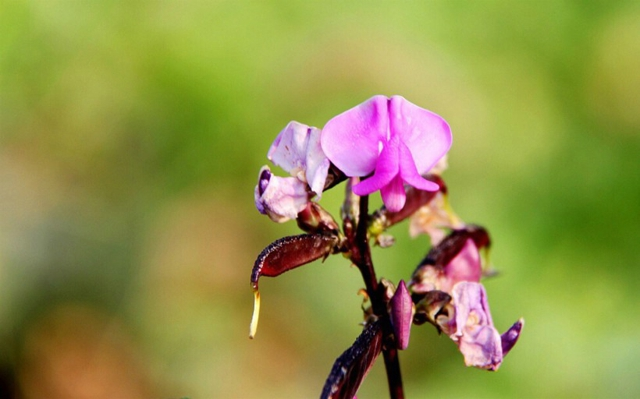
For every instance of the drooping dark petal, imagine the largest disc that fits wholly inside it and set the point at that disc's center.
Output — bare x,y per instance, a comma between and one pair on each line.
510,337
283,255
352,366
401,315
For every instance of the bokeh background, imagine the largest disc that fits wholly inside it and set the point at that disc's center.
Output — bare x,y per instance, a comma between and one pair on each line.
131,135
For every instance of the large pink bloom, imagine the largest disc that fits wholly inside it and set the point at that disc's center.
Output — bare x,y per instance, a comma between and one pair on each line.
391,137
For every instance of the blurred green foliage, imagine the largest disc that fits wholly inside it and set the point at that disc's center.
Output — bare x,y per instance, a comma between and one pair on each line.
131,135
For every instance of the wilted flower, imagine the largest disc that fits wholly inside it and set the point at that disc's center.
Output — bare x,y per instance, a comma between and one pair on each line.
466,318
392,138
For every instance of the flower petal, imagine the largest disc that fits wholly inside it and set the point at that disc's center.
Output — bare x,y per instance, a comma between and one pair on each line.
393,194
477,338
426,134
387,168
466,266
351,139
481,347
409,172
510,337
281,198
289,149
317,163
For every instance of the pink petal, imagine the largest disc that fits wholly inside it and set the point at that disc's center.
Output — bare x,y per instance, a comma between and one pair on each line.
466,266
481,347
387,168
351,139
393,194
409,172
426,134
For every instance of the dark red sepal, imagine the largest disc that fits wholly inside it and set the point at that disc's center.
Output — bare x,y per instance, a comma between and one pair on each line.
352,366
290,252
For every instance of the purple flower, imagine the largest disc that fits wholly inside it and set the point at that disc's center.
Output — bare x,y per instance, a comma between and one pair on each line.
281,198
391,137
297,150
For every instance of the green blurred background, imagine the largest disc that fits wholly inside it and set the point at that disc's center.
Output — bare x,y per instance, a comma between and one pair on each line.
131,135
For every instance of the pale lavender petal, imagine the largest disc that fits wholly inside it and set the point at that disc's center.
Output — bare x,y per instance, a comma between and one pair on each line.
510,337
351,139
409,172
387,168
289,149
466,266
401,315
393,194
481,347
317,163
426,134
281,198
477,338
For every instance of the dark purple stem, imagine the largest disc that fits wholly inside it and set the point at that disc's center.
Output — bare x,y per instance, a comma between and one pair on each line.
361,256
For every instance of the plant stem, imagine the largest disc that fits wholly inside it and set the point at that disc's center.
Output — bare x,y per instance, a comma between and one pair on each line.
361,256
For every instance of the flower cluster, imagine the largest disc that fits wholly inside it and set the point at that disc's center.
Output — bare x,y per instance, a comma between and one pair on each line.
399,149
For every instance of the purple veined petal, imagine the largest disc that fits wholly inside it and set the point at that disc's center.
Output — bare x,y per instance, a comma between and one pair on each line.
387,168
289,149
409,172
351,139
317,163
510,337
281,198
401,315
426,134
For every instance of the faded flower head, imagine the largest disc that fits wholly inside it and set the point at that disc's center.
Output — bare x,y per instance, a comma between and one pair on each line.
392,138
